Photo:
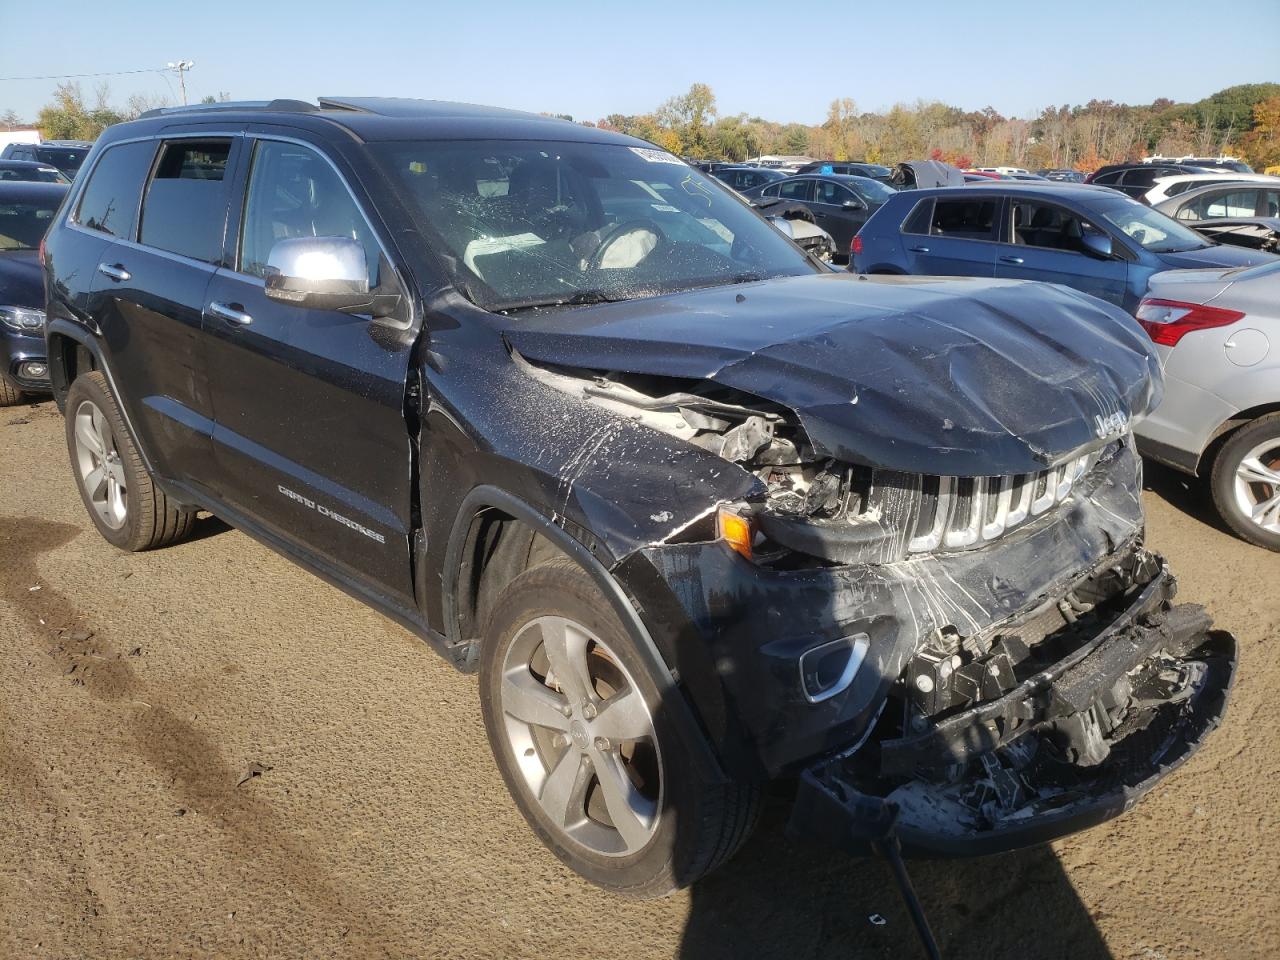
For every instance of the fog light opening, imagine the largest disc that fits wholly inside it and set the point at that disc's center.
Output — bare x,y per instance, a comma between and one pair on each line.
33,371
829,668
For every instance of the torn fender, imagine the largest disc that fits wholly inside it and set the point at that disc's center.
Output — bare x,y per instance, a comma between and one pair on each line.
588,469
959,377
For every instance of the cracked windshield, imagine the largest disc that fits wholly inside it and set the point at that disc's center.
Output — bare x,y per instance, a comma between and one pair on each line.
539,224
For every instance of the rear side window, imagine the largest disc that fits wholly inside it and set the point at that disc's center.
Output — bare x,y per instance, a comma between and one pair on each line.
965,219
794,189
1142,177
920,218
186,202
1112,177
110,199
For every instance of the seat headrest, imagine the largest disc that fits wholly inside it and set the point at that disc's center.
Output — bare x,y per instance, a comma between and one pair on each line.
1043,218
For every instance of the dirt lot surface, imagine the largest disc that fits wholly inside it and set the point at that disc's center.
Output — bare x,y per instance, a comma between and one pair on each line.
137,692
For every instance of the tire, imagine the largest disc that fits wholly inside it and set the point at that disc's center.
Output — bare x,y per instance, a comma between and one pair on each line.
9,392
1258,441
134,513
693,825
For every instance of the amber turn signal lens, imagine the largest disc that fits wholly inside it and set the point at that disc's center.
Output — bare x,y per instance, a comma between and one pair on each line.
735,531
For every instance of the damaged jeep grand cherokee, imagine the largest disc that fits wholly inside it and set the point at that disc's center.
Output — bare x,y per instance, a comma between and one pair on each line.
702,513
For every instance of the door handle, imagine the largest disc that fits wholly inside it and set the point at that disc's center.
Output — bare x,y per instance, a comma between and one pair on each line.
1010,259
231,313
919,249
115,271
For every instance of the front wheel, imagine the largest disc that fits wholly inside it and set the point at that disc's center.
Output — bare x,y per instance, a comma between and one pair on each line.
9,392
124,503
1246,482
585,745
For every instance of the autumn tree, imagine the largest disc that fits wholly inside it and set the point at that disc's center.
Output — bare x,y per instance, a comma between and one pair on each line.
690,117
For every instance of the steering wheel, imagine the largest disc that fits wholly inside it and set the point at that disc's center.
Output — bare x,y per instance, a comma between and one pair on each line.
626,244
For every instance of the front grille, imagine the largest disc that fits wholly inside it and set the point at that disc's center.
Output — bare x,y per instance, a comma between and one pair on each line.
958,512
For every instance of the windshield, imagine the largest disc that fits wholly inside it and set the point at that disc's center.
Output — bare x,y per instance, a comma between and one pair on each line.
526,224
1150,228
23,223
871,190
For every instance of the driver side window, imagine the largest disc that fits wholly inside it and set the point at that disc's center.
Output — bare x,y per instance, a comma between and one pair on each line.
294,192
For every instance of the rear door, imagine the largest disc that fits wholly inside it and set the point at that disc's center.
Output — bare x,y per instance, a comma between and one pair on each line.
153,282
310,434
956,237
1043,241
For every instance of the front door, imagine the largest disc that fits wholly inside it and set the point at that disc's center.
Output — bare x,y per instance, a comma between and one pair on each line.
1044,241
828,206
310,432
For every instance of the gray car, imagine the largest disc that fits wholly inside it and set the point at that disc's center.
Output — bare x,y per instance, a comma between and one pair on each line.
1217,201
1218,336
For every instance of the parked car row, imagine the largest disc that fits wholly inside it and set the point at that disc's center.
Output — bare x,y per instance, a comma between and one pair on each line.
26,212
65,155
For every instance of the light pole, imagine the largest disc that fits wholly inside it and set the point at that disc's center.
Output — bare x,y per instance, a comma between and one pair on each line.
181,67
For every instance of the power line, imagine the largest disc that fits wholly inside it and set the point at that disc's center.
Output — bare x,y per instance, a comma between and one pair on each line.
78,76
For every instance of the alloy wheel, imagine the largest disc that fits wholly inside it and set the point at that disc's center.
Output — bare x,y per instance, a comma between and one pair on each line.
1257,485
98,465
582,736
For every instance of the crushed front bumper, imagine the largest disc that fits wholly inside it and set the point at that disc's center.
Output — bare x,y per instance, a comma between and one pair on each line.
1075,744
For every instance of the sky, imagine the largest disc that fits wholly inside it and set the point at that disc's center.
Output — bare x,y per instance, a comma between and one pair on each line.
780,61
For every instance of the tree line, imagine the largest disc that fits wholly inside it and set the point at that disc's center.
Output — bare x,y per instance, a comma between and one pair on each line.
1241,121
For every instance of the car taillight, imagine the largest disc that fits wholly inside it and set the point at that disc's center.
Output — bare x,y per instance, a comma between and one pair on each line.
1168,321
41,251
856,246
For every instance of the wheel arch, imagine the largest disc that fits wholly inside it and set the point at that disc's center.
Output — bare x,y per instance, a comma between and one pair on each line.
72,351
535,537
1224,431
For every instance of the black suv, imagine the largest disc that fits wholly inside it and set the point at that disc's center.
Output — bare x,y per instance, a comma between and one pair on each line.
1136,179
701,512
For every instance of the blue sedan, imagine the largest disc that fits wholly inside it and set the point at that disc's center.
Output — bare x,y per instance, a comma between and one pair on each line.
1090,238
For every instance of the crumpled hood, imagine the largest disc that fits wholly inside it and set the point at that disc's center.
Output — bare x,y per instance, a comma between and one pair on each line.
21,279
959,377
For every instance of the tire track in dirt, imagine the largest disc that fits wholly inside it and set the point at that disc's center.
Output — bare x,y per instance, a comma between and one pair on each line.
88,658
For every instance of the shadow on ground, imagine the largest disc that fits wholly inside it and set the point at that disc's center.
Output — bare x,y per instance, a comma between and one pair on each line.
207,525
786,899
1185,494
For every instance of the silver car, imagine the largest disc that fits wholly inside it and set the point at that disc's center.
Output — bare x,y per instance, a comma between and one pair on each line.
1218,336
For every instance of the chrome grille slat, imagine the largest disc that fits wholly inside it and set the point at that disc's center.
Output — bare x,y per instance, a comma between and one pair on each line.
930,539
969,510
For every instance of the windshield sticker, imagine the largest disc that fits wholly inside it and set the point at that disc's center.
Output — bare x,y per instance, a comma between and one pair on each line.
656,156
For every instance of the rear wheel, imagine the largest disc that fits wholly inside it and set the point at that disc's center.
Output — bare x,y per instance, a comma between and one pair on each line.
1246,482
9,392
124,503
586,747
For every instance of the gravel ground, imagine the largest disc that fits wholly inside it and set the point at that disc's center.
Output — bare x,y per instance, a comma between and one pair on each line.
207,752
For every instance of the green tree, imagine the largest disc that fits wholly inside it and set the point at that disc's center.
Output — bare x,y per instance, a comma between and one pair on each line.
690,117
69,117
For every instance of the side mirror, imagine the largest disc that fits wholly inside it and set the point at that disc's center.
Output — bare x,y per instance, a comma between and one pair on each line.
324,273
854,205
1097,244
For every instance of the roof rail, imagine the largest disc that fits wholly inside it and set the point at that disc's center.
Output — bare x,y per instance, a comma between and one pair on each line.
272,106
